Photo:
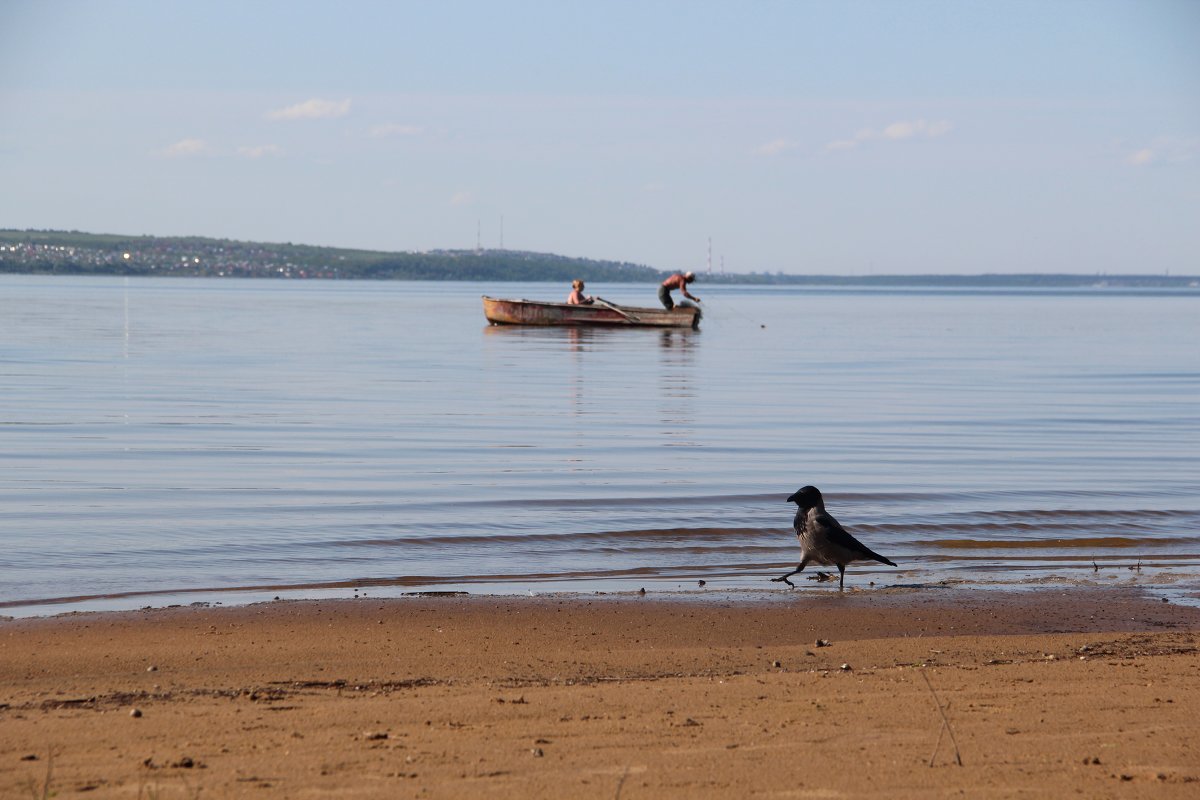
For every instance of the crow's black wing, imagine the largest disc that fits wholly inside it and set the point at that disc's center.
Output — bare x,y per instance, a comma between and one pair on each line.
838,535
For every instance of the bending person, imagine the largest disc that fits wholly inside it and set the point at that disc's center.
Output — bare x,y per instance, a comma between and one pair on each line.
678,281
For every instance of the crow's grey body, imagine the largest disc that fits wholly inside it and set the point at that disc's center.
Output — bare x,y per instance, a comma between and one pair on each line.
822,538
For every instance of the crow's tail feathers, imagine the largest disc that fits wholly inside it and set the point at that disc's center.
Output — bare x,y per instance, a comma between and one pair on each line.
880,558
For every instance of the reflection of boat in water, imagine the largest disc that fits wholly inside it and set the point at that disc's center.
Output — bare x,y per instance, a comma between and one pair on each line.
602,312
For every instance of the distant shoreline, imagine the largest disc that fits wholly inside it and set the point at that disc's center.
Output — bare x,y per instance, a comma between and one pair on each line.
75,253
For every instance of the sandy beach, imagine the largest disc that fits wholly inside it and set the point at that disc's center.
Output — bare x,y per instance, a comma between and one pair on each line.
1043,693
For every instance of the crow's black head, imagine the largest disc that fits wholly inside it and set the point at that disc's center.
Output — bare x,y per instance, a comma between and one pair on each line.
808,497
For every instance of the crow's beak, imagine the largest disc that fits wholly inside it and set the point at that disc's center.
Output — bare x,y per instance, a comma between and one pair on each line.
792,498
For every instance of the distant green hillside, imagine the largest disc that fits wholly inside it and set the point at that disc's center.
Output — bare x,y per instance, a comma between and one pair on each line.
75,253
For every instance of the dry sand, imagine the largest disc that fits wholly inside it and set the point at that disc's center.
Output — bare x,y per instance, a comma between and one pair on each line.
1046,694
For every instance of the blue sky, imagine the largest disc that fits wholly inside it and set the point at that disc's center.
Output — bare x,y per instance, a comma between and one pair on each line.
805,137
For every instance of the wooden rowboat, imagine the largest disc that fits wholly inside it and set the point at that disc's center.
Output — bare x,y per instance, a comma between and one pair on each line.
602,312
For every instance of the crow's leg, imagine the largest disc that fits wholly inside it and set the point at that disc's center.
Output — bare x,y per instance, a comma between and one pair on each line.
841,577
784,578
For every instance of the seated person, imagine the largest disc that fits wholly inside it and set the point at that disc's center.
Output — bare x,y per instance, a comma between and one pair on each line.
577,297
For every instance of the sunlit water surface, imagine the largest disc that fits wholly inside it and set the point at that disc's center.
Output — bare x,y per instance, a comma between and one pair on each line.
178,440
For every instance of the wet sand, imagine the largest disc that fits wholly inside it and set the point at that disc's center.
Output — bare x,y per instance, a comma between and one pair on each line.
1044,693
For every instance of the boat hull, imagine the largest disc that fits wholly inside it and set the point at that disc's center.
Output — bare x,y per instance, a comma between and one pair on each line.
535,312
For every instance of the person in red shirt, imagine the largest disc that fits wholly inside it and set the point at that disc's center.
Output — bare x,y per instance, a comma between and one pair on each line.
577,297
677,281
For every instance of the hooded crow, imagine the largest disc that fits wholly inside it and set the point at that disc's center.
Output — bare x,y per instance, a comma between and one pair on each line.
822,538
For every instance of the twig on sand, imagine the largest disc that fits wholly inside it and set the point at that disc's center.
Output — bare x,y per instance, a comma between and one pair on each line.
945,725
43,792
621,783
938,744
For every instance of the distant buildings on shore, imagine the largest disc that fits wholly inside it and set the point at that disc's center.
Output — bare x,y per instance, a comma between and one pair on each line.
75,253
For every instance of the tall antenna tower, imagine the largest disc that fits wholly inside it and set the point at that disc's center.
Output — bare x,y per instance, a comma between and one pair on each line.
709,256
478,239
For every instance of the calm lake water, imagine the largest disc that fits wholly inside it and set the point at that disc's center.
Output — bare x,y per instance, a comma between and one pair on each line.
181,440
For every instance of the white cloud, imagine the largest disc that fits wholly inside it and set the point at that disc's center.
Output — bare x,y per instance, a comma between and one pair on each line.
853,142
1169,149
462,199
258,151
899,130
185,148
313,109
895,131
388,129
1142,157
776,147
842,144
